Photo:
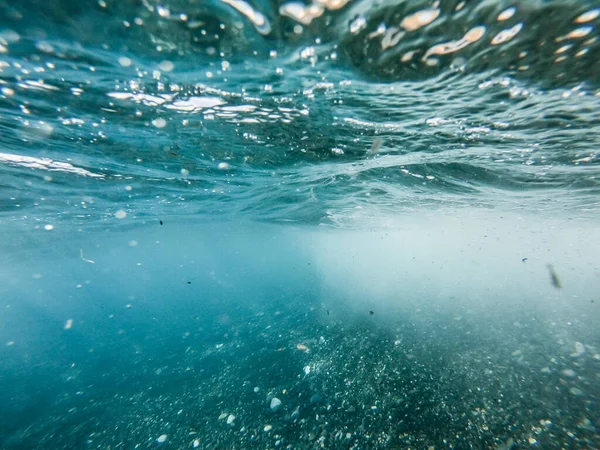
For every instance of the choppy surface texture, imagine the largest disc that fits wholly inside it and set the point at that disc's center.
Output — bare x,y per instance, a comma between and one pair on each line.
295,113
121,118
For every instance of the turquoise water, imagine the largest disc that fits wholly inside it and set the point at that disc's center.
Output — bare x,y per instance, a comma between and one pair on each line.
383,215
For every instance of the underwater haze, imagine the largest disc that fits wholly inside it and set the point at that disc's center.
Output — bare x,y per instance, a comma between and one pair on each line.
319,224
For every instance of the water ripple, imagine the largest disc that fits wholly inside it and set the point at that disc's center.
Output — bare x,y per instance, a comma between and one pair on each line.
297,112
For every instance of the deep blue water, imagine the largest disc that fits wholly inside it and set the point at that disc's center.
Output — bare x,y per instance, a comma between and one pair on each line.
383,214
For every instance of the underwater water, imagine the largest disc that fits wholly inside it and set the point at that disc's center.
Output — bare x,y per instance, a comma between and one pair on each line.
342,224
